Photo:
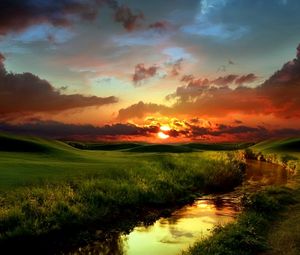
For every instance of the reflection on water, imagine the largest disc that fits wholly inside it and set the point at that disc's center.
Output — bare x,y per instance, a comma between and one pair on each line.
169,236
263,173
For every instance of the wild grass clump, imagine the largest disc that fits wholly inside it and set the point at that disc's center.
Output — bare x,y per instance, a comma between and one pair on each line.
39,210
247,235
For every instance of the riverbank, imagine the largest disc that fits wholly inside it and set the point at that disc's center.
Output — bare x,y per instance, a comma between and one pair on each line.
248,235
270,221
284,236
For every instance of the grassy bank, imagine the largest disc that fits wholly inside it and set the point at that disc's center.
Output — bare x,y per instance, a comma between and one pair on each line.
248,235
271,217
284,236
56,187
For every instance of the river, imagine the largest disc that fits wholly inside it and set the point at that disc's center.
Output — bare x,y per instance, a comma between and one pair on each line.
171,235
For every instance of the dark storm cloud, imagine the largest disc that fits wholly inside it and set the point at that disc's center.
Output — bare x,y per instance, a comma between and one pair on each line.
27,93
59,130
56,129
127,18
235,132
17,15
124,15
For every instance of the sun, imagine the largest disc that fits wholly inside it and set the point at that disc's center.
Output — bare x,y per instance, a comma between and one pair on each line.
163,129
162,135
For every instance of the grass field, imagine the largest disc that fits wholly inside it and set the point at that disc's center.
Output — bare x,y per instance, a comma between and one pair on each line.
50,186
53,186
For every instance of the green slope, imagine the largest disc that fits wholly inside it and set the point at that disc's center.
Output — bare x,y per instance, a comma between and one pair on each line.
104,146
30,160
162,148
282,145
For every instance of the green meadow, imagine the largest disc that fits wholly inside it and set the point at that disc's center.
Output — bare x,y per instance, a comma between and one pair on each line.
50,186
270,221
50,189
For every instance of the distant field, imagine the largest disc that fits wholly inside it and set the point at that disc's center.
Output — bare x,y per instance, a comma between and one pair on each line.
30,160
173,148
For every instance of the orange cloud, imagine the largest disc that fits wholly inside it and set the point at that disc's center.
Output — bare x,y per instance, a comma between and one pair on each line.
277,96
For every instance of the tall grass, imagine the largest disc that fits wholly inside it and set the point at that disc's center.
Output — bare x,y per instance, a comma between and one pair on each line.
170,179
248,235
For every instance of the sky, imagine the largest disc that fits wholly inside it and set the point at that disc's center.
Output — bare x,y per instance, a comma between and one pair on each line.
156,71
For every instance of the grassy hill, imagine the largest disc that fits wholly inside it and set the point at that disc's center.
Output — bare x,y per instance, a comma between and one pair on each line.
282,145
14,143
30,160
170,148
162,148
48,186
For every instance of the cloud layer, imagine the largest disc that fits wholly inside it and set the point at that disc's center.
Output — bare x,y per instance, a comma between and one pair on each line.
27,93
17,15
184,130
278,96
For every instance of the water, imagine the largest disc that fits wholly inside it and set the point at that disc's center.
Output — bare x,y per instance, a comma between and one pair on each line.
171,235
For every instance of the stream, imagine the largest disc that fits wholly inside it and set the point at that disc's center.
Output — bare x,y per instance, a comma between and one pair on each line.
171,235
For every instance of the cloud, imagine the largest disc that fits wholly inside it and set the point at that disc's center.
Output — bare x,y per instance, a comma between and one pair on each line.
236,79
2,68
196,87
140,110
124,15
142,73
186,130
59,130
170,68
249,78
27,93
277,96
159,26
176,66
17,15
225,80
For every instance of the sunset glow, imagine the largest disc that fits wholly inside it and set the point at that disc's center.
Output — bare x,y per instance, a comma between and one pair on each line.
162,135
165,128
135,70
